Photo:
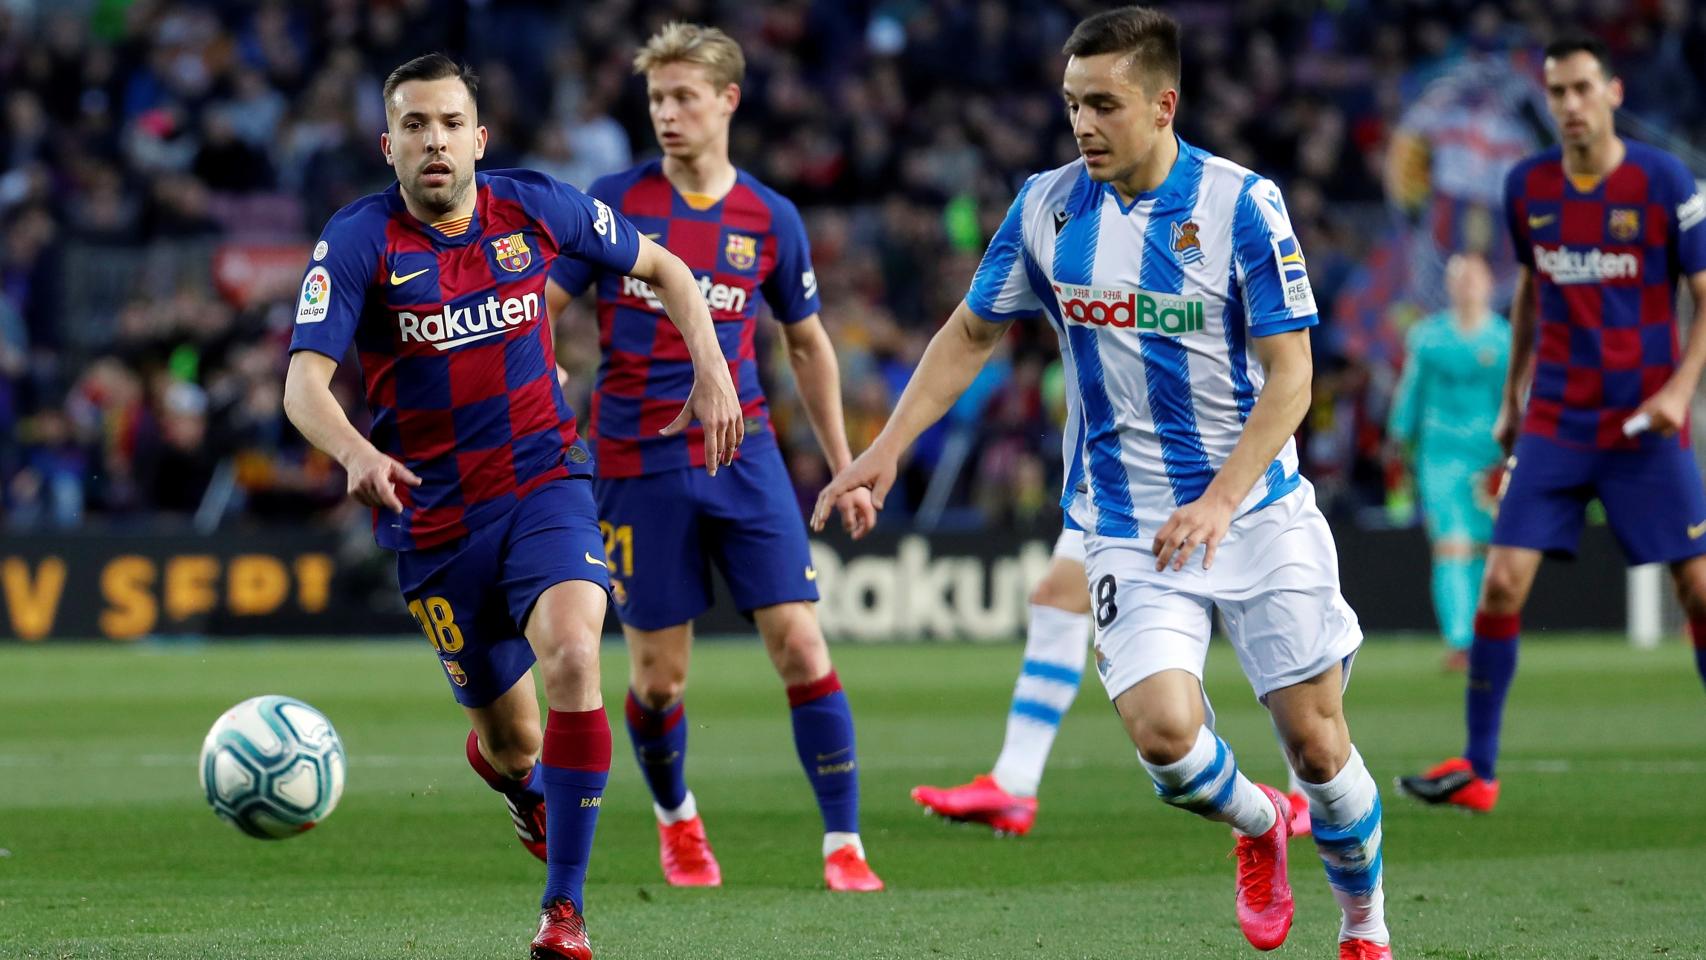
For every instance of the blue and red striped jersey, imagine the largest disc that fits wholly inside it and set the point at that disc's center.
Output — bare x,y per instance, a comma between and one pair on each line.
449,326
749,243
1605,262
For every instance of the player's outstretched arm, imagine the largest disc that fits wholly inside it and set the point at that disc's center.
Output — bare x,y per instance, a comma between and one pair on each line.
1667,410
713,401
811,355
309,404
955,355
1523,317
1278,411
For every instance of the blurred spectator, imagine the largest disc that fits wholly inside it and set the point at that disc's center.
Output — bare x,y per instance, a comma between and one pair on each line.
137,139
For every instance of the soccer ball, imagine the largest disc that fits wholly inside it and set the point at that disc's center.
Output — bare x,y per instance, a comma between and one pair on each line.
272,767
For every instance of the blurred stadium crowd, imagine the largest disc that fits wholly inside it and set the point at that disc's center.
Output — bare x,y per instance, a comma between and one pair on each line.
164,166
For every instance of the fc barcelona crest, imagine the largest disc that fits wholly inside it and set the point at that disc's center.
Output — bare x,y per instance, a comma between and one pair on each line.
1625,223
741,251
512,252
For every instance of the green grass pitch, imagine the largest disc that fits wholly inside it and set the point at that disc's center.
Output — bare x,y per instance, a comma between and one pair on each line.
1597,850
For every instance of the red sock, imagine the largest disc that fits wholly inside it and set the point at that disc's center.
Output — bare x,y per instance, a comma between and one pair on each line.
489,773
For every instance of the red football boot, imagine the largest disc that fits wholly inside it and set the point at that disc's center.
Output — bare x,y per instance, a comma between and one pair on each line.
562,933
528,815
980,801
1300,823
686,855
1453,783
845,871
1264,893
1364,950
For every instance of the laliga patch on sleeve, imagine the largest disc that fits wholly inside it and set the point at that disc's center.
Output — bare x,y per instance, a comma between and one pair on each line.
316,301
1691,212
1293,275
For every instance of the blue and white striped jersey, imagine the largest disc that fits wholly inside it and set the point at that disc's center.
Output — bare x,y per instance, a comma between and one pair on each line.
1155,303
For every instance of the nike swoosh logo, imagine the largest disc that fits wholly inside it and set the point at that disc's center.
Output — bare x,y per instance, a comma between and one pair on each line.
592,559
653,237
822,757
1697,531
397,281
1536,222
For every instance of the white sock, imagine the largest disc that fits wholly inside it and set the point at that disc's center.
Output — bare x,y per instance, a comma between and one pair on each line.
688,810
1345,812
835,840
1055,648
1201,775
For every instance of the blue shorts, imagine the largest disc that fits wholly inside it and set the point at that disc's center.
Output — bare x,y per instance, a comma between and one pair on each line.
664,530
472,596
1653,498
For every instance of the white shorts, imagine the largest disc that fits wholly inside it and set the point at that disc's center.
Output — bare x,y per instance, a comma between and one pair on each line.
1070,546
1275,582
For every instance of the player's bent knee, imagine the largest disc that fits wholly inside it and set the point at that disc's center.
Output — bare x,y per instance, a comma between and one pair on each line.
1318,759
572,652
1503,588
1161,749
794,641
657,692
803,657
1063,588
1161,741
513,757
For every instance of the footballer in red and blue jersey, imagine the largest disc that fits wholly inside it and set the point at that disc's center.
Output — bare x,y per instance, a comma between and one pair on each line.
1604,228
478,477
1603,260
746,246
449,326
666,524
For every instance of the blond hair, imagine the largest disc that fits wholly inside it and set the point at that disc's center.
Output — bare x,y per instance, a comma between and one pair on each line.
707,47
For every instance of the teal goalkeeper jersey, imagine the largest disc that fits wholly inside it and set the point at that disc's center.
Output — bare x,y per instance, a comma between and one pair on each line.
1448,396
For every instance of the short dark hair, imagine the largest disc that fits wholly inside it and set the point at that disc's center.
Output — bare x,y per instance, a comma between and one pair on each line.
431,66
1151,35
1582,43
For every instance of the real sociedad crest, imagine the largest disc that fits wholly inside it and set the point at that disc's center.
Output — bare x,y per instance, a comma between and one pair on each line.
512,252
741,251
1186,246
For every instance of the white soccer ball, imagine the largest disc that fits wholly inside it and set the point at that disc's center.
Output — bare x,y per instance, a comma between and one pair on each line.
272,767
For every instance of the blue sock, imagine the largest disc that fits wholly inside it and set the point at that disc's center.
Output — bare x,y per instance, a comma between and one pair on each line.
1492,664
575,768
823,736
660,746
1454,587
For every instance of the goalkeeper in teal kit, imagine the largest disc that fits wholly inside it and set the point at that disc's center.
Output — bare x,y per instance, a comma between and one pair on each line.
1442,421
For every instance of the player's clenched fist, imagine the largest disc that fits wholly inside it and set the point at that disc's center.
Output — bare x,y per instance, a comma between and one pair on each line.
373,479
716,406
1202,522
